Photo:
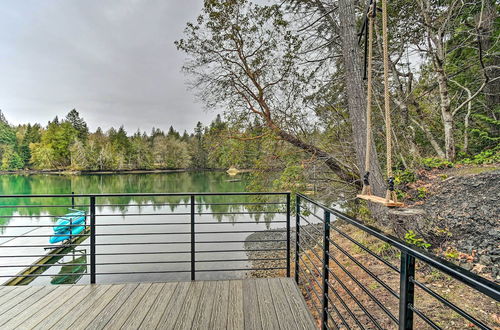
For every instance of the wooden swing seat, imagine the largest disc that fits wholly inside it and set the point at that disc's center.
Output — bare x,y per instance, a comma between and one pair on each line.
380,200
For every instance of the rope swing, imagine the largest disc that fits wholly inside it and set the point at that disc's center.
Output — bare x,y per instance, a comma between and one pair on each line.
390,199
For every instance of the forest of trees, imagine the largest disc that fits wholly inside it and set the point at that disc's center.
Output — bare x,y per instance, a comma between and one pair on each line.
289,77
68,144
297,66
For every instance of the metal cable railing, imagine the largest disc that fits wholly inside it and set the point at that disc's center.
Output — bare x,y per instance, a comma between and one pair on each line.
199,238
344,292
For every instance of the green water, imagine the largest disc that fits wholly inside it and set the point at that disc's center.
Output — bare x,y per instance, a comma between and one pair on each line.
165,220
113,183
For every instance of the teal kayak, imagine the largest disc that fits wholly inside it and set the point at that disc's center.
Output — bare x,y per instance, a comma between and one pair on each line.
74,218
62,236
69,225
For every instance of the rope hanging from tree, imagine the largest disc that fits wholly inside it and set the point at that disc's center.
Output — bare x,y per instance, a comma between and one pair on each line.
390,197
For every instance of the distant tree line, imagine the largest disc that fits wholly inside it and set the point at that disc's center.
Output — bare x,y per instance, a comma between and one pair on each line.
68,144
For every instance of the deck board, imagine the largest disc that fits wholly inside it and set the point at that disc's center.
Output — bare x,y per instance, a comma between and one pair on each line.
266,306
205,305
35,318
128,306
87,318
142,309
188,310
251,305
57,314
80,309
152,319
233,304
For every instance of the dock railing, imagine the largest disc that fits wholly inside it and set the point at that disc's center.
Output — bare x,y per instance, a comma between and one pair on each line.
352,275
189,218
345,292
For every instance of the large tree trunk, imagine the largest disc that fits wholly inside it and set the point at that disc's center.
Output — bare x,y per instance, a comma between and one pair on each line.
356,94
492,89
335,165
446,113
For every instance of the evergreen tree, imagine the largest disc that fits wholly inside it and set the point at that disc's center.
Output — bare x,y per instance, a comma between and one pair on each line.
73,117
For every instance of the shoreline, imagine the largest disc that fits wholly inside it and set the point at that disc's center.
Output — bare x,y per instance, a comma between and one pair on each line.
109,172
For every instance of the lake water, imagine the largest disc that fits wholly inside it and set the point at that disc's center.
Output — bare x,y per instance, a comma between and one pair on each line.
115,216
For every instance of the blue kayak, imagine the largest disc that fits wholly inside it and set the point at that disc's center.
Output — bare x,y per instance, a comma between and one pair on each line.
74,218
66,234
69,225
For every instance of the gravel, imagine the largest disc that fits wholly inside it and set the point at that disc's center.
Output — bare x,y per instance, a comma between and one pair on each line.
307,241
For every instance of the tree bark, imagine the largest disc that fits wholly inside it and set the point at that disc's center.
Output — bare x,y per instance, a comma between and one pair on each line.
486,29
446,113
356,94
329,160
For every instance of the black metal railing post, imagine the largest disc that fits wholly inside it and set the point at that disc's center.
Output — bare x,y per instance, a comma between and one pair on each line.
92,240
72,199
297,235
326,259
288,256
193,253
407,289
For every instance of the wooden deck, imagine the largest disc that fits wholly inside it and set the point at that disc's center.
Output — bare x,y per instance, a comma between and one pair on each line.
274,303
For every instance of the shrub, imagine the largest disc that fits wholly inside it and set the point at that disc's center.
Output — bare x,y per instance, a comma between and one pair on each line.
485,157
412,238
404,176
431,163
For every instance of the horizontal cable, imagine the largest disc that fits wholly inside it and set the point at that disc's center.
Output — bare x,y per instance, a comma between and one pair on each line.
139,205
424,317
302,230
140,214
243,203
313,226
344,305
139,262
149,194
365,290
372,275
365,249
317,217
139,253
318,310
314,252
335,309
241,231
244,250
136,224
236,269
480,284
99,263
316,294
238,213
311,273
110,273
243,241
249,259
361,306
47,235
312,263
44,206
449,304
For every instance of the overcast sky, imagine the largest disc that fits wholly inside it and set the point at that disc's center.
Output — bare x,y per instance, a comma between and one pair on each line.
112,60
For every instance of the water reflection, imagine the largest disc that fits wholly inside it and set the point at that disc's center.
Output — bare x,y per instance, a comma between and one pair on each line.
11,208
123,251
72,270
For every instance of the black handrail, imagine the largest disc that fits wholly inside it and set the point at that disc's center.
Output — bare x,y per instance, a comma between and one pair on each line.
407,282
193,248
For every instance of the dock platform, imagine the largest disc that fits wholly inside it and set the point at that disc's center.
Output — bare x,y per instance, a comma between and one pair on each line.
272,303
